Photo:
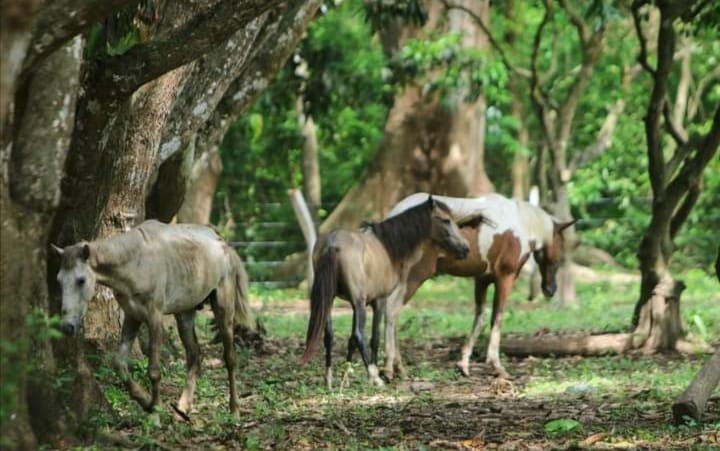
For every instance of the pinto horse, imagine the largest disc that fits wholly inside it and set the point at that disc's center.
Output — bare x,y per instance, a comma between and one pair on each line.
497,253
156,269
365,266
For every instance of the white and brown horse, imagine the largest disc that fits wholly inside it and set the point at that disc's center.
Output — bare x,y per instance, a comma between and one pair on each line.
157,269
497,253
366,265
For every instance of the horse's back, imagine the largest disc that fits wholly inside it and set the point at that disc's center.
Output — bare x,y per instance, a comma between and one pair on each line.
503,214
191,259
365,265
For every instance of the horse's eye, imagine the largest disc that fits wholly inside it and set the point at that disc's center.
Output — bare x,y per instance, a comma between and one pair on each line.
445,221
80,281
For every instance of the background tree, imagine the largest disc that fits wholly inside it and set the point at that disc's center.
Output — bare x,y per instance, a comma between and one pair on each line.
678,150
431,141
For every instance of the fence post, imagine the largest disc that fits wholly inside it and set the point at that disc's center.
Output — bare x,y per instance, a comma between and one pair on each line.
302,213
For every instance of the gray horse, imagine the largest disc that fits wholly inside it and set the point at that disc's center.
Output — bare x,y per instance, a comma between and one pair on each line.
158,269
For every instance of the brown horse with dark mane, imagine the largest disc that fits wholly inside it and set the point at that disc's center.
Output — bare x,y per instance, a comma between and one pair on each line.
366,265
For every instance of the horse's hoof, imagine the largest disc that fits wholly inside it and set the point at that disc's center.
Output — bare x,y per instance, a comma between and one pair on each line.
463,368
181,414
378,382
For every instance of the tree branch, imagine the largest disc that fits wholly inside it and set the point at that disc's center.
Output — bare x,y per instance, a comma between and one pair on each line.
491,38
603,139
582,28
679,135
691,171
120,76
536,92
637,20
683,212
265,61
58,21
695,100
658,97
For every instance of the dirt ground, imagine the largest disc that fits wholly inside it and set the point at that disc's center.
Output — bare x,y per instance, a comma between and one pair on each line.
285,406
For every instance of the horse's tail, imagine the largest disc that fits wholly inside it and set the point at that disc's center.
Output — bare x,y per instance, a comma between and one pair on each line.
247,329
321,298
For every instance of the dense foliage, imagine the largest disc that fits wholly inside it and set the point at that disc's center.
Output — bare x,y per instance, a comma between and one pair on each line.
348,88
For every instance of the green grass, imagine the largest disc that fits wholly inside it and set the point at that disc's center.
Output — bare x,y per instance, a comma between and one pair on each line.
287,406
444,306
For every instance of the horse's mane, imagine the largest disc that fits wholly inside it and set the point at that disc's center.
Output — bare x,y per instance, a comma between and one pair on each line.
119,249
401,234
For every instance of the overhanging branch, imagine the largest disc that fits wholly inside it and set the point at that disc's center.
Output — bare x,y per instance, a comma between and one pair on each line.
60,21
121,75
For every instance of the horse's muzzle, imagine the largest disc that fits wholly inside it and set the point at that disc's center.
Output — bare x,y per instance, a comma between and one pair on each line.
68,329
463,252
549,289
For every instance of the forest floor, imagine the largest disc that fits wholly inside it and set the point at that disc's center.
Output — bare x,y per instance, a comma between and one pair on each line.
609,402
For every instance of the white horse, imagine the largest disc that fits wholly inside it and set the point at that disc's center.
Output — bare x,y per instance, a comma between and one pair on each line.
497,253
157,269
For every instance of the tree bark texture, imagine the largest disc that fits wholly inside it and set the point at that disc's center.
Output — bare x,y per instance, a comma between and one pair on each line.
426,145
30,192
112,134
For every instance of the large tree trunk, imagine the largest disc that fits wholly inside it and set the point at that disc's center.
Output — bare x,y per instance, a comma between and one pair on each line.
197,206
426,146
28,201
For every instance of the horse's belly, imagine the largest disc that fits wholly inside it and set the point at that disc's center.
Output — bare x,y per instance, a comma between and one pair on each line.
469,267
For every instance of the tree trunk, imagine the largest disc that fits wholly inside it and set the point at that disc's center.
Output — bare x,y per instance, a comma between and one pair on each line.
311,165
198,202
426,146
28,201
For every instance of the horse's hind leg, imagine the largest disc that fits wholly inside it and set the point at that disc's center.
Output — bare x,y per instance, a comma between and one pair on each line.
155,328
186,330
129,332
358,334
378,308
223,309
328,341
481,286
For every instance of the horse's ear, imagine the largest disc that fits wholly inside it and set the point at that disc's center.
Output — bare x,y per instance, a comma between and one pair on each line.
86,251
559,227
430,200
58,250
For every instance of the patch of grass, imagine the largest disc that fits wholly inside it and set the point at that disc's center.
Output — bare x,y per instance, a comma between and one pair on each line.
287,406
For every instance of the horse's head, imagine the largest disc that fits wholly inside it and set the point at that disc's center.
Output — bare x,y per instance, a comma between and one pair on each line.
445,232
77,280
549,257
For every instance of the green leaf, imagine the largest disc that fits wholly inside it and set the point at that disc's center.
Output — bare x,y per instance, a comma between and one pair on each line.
562,426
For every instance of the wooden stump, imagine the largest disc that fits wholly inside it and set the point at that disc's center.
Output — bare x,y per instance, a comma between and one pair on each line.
691,402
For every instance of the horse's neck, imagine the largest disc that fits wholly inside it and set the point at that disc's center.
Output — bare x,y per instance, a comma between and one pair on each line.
536,223
110,258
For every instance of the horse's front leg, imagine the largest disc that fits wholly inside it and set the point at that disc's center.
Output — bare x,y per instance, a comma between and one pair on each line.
155,329
359,314
186,330
502,290
481,287
129,332
393,304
